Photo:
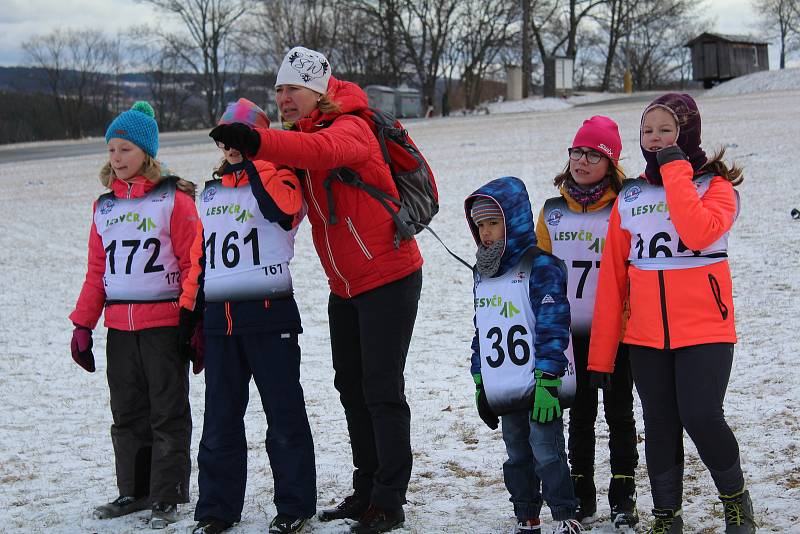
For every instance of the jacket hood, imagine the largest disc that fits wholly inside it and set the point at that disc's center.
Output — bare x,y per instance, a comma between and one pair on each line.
348,95
684,109
511,195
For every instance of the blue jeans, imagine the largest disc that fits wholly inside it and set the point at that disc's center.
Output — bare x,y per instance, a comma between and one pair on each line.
537,457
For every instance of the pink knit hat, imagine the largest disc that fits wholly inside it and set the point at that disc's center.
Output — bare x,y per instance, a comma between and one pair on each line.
245,112
601,134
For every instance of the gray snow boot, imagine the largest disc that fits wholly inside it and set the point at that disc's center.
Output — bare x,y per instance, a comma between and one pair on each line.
738,510
666,522
122,505
163,514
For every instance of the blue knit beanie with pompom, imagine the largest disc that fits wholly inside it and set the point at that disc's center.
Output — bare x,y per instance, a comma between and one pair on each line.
137,125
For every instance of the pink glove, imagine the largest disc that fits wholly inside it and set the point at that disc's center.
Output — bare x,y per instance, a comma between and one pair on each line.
81,347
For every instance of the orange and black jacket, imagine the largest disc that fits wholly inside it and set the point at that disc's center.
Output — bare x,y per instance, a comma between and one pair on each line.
283,205
672,308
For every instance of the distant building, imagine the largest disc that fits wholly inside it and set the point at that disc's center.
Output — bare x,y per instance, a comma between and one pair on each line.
717,57
402,102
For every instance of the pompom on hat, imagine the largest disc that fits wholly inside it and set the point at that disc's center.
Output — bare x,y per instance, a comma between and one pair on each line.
306,68
485,208
137,125
245,112
601,134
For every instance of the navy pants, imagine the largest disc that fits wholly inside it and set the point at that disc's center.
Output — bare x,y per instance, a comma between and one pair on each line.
536,466
370,335
684,389
273,361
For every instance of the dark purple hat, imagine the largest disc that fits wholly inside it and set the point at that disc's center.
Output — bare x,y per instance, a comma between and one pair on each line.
684,109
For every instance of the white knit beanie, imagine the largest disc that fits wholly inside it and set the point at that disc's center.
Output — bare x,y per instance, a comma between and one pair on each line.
305,67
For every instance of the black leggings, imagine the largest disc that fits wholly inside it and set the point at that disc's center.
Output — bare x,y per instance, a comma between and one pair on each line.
685,388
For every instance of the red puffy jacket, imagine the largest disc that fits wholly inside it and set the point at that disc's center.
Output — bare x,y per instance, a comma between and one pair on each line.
134,316
357,250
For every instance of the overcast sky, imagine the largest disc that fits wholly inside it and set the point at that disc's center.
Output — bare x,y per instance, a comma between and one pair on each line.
22,19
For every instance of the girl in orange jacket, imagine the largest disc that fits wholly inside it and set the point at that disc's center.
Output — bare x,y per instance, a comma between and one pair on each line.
573,227
666,250
139,243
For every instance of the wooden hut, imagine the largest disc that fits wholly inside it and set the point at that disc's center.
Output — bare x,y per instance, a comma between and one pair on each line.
717,57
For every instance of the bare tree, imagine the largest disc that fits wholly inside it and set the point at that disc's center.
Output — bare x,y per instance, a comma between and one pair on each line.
483,28
425,26
781,18
75,63
209,26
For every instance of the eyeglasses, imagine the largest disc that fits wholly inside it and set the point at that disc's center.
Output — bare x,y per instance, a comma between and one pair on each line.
575,154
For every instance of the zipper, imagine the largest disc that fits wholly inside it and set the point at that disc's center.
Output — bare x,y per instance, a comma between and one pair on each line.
663,294
723,309
361,244
228,317
130,316
325,228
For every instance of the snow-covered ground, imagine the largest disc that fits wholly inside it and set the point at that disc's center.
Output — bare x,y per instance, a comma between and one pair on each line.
56,459
537,103
759,82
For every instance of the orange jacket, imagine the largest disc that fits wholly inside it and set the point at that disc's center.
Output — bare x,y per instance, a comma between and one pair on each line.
668,308
134,316
357,250
240,317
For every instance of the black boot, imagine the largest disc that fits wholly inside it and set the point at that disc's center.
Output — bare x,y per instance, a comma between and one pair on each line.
376,520
122,505
666,521
622,500
586,493
352,507
738,513
211,526
163,514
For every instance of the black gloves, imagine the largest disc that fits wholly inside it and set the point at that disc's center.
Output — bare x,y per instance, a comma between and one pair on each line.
238,136
669,154
484,410
599,380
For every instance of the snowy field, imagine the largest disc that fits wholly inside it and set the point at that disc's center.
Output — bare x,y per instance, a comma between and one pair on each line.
56,460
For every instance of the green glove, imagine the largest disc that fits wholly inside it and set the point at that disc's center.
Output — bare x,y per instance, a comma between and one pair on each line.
545,398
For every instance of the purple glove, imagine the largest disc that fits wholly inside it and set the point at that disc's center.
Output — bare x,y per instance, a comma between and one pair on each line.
198,343
81,347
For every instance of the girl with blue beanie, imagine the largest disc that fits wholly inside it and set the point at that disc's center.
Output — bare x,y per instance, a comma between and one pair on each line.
139,243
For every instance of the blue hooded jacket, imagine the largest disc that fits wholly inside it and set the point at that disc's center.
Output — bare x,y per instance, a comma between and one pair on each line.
548,274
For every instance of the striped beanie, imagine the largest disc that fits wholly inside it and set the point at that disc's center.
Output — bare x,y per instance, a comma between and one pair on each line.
137,125
245,112
485,208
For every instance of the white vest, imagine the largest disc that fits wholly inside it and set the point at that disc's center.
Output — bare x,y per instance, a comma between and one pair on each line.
655,243
140,263
247,257
578,239
506,329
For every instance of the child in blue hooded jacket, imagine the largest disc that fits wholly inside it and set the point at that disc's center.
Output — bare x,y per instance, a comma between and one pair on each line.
522,323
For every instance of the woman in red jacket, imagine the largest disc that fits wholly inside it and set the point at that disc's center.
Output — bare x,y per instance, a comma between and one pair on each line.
139,244
666,248
375,285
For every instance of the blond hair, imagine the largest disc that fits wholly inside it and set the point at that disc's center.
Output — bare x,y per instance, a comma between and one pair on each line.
327,105
153,171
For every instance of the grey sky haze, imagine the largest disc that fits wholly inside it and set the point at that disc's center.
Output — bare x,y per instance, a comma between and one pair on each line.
22,19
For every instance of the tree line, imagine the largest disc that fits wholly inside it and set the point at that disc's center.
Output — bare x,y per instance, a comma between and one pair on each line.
224,49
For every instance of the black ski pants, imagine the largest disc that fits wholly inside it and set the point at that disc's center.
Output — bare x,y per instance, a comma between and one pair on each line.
370,335
684,389
618,409
149,385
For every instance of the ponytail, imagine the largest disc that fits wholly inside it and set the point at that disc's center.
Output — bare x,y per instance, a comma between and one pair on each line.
718,167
